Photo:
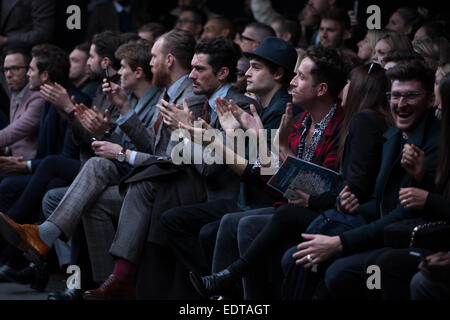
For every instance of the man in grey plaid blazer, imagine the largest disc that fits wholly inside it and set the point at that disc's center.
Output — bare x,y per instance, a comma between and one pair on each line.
96,184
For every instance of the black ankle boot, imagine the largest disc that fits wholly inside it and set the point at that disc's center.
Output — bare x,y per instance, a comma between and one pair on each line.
41,276
221,283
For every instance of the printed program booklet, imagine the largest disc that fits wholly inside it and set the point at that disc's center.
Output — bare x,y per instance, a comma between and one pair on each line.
312,179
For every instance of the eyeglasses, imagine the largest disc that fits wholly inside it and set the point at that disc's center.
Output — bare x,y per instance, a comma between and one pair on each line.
13,69
409,96
242,37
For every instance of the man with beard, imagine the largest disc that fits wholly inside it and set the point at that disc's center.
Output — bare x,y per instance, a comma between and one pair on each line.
80,72
94,192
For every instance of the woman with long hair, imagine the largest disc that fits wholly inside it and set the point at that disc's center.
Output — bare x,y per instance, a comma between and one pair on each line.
367,117
392,41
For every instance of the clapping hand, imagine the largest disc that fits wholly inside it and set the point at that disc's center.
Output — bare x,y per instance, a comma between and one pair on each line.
174,114
284,131
227,120
413,161
93,120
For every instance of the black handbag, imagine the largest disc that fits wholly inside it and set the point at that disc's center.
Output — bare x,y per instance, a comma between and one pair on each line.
418,233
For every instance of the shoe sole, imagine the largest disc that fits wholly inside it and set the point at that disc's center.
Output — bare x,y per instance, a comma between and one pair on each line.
92,297
12,237
198,285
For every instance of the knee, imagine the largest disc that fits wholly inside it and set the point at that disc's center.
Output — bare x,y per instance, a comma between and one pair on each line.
172,219
418,286
333,277
51,200
208,233
50,161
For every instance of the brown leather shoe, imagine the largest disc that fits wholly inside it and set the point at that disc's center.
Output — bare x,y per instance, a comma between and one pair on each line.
24,237
112,288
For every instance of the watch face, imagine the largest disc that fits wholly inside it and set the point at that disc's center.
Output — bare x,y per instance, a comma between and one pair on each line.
121,157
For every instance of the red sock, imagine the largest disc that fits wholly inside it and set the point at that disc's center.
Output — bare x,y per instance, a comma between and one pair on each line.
123,270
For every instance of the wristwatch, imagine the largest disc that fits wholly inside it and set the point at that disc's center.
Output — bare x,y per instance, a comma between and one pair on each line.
106,135
121,156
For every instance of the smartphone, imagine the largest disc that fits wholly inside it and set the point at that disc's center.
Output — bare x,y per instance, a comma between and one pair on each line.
106,74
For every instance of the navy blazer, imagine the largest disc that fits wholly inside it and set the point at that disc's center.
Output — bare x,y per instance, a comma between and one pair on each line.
55,133
426,137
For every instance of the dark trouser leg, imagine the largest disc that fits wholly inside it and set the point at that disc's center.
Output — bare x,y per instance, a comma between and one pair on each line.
423,288
10,189
183,225
281,231
256,283
346,278
397,268
26,209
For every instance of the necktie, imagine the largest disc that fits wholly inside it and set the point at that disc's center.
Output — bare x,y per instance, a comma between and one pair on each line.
206,114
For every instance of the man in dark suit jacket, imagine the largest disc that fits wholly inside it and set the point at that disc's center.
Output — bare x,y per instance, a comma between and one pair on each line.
55,135
414,124
214,66
269,75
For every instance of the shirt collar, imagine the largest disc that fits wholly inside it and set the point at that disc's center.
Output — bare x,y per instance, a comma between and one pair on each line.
222,92
171,92
120,8
21,93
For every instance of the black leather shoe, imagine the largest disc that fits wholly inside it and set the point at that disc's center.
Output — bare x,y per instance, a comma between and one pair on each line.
7,273
22,276
41,276
68,294
221,283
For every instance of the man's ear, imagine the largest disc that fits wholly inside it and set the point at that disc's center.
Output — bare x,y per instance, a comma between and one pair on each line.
408,30
279,73
322,89
223,73
45,76
287,36
170,60
106,62
139,73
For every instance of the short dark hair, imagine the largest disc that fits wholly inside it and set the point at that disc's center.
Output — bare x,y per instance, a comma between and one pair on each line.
181,44
54,60
413,70
85,46
199,16
106,44
226,23
339,15
155,28
25,54
221,52
128,36
329,67
287,74
262,30
291,26
136,54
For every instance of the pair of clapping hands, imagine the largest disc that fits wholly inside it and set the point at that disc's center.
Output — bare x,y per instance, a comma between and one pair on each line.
230,115
413,161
